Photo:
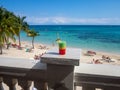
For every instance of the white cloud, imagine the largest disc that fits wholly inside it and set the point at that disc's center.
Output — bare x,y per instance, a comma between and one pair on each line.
59,20
95,20
37,20
65,20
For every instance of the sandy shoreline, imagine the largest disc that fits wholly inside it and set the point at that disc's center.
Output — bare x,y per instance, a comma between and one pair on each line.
39,49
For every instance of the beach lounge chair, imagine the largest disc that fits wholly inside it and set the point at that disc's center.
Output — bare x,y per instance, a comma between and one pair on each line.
14,45
42,47
19,47
91,53
97,61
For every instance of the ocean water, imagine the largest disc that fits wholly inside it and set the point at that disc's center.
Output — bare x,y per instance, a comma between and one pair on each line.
104,38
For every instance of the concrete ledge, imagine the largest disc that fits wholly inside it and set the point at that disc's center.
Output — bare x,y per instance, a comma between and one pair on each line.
72,57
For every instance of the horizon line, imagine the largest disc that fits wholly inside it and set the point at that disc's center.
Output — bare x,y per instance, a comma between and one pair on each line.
73,25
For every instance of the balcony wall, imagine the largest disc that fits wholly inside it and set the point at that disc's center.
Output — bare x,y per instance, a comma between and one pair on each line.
22,72
97,76
89,76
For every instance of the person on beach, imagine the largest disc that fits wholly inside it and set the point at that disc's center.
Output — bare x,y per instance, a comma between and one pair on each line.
96,61
106,58
91,53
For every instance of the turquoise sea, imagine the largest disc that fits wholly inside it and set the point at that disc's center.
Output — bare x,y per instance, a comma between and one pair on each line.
104,38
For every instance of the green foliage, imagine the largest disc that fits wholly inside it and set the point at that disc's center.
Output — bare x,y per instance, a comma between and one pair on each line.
10,26
33,34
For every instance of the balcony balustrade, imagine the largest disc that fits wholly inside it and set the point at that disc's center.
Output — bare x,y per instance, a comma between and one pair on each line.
97,77
49,74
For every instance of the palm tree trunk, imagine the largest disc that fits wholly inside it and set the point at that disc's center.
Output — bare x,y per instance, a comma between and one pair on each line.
19,40
0,49
33,42
7,46
7,43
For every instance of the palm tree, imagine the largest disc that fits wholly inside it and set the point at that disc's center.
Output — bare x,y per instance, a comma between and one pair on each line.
1,12
21,25
10,25
33,34
6,27
2,40
2,26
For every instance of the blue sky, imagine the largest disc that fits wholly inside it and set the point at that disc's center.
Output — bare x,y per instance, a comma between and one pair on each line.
80,12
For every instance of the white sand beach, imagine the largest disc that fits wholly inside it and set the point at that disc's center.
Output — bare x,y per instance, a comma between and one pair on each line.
40,49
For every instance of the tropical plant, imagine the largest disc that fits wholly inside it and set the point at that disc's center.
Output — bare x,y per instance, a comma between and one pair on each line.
1,40
33,34
21,26
10,26
1,31
9,30
6,26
